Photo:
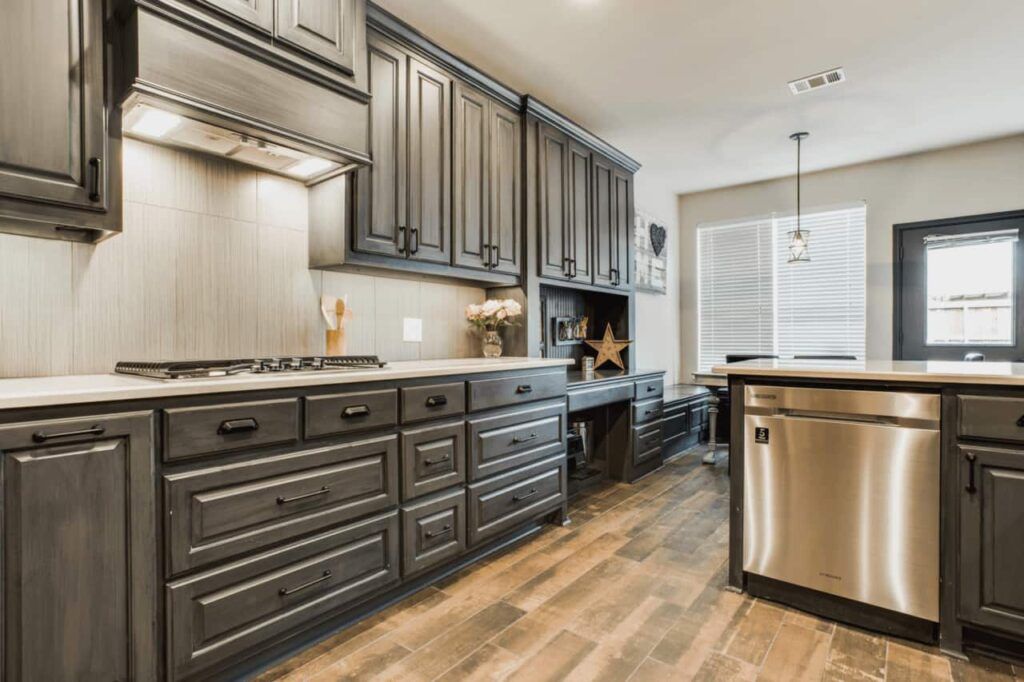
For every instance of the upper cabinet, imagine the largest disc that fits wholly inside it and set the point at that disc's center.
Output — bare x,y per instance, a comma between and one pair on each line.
258,14
324,29
59,168
430,163
506,188
552,190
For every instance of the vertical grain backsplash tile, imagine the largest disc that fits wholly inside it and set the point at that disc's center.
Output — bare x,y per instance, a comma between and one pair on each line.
288,315
282,203
394,300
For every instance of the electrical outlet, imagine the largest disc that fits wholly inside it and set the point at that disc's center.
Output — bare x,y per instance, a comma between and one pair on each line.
412,329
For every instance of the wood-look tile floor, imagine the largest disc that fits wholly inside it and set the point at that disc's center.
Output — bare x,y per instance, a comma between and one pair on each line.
631,590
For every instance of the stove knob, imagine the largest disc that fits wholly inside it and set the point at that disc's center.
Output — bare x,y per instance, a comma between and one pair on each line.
271,365
316,363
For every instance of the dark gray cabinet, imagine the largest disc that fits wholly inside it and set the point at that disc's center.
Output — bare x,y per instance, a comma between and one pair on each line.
323,29
505,203
430,172
580,233
622,225
555,252
991,542
79,546
258,14
604,221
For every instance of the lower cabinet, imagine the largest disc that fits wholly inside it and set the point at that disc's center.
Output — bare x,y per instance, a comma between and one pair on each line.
502,502
433,531
991,539
79,552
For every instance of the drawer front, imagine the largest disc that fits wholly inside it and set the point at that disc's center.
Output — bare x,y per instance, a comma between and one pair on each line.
699,417
485,394
647,441
223,511
237,608
508,441
991,418
433,458
330,415
433,402
501,503
602,394
647,411
676,421
207,430
650,388
433,531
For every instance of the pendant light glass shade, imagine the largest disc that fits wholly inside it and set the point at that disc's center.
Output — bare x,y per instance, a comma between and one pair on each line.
798,239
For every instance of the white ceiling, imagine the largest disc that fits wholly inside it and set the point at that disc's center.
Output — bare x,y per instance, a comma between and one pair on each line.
696,89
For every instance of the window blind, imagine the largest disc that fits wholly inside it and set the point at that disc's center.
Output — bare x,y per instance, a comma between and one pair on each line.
752,301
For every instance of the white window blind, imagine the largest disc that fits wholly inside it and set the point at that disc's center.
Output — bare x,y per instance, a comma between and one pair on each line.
752,301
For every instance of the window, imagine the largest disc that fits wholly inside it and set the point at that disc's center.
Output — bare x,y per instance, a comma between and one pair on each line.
751,301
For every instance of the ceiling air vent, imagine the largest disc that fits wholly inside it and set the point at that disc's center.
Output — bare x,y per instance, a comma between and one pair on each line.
818,80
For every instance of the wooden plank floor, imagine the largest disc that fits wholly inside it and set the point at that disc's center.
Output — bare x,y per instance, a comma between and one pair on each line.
631,590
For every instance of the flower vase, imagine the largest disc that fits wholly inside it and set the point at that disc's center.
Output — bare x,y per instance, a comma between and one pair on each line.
492,344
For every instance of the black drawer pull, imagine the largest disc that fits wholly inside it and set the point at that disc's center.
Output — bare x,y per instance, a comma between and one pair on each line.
444,531
285,591
95,179
437,400
1020,421
355,411
431,462
524,388
516,439
652,389
42,437
971,459
520,498
306,496
238,426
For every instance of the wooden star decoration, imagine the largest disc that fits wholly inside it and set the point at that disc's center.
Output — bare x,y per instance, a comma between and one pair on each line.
608,349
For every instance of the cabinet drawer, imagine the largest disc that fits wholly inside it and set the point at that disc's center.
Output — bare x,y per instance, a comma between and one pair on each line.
433,402
647,410
433,531
330,415
220,512
433,458
650,388
602,394
507,441
487,393
991,418
501,503
195,431
237,608
647,442
675,421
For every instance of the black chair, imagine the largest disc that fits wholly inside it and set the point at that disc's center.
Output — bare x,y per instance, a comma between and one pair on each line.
740,357
824,357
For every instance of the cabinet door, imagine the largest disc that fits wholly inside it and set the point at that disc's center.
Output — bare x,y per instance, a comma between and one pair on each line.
552,194
79,550
380,226
580,212
256,13
430,172
52,130
622,230
325,29
506,189
472,247
992,544
604,221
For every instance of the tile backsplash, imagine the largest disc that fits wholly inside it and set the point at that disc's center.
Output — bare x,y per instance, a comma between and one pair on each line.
212,263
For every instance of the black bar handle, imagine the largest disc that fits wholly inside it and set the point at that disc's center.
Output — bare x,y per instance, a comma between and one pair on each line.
432,462
575,272
437,400
414,240
487,255
567,266
316,493
971,459
285,591
95,179
355,411
516,439
42,436
444,531
614,272
520,498
238,426
403,242
524,388
494,256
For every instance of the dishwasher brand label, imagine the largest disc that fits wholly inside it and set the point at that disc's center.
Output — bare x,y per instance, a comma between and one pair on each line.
761,434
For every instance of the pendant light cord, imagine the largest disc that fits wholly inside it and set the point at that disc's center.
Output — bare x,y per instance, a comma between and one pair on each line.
798,140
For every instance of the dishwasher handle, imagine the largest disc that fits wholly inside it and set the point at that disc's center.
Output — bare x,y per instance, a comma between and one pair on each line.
856,419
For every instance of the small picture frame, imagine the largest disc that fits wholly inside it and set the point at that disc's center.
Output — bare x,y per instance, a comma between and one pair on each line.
565,331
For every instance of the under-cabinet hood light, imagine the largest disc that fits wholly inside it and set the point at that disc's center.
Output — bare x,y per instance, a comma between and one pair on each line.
310,167
155,123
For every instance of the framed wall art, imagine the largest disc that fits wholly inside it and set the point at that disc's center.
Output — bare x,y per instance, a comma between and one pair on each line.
650,245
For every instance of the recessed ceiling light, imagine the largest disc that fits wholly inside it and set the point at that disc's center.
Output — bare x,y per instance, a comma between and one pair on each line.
309,167
155,123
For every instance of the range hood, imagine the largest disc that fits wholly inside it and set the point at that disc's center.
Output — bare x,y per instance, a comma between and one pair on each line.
189,87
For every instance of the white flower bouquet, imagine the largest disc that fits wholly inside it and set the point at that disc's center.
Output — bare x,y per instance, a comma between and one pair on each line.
492,314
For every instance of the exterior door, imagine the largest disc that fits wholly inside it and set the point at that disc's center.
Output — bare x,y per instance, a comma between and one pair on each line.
604,222
579,213
504,206
553,190
256,13
53,144
622,227
430,172
471,235
325,29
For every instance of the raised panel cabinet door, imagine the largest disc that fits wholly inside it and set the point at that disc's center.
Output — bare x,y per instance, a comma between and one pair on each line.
622,230
325,29
79,552
505,205
553,202
471,234
256,13
53,143
604,221
579,213
430,171
992,545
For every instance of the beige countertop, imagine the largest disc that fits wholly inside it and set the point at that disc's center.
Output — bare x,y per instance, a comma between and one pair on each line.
94,388
932,372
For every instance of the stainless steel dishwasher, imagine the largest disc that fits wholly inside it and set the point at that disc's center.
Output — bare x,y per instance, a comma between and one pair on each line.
841,493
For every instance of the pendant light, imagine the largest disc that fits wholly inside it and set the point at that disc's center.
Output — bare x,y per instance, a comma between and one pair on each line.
798,239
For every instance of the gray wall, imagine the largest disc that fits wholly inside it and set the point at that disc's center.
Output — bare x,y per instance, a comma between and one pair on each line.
979,178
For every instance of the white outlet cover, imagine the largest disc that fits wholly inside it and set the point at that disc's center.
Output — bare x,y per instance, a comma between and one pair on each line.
412,329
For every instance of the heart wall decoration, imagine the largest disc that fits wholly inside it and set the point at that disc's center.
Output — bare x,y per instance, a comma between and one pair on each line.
658,235
650,241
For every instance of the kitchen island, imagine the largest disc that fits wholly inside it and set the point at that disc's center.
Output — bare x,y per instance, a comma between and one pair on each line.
889,495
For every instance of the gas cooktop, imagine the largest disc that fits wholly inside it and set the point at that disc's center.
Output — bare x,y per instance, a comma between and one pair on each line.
190,369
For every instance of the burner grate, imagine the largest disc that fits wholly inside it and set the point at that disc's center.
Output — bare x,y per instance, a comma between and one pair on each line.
190,369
